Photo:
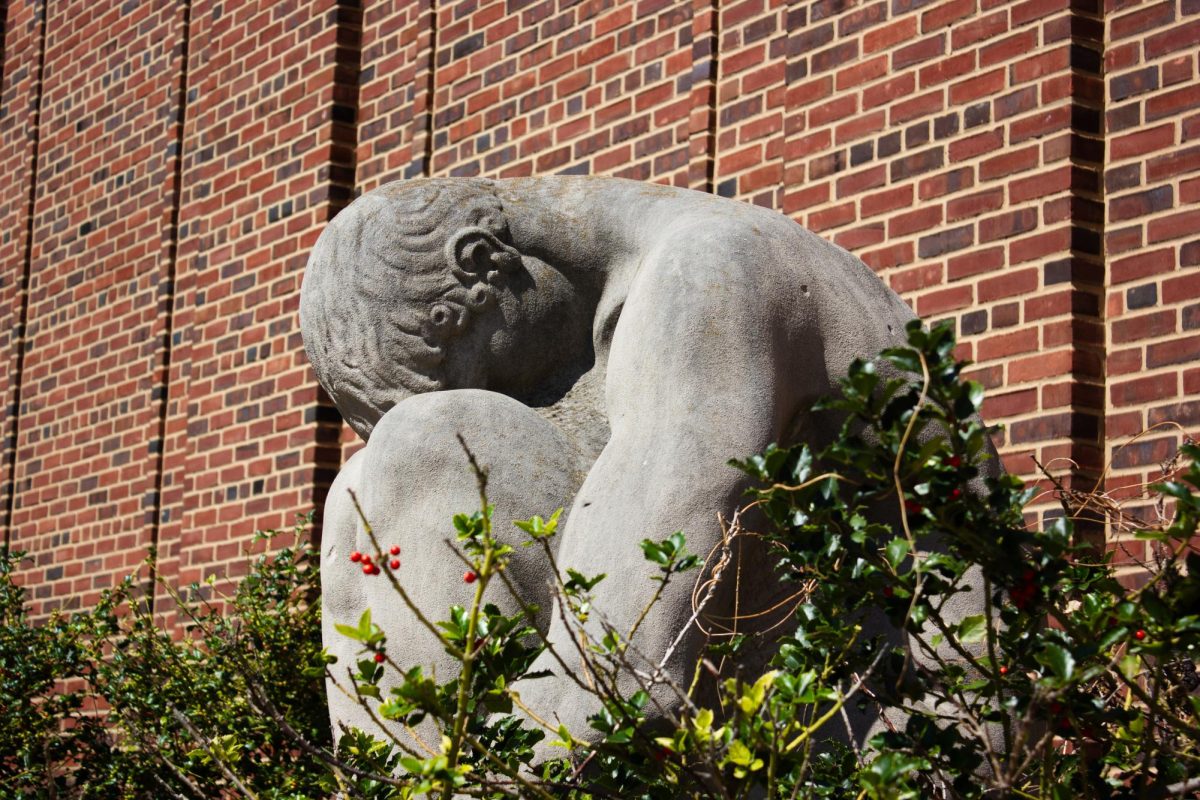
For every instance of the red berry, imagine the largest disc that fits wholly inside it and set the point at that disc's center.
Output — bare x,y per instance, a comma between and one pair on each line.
395,550
374,569
368,569
954,461
913,507
395,564
1139,634
379,658
888,591
1003,670
955,494
356,556
469,577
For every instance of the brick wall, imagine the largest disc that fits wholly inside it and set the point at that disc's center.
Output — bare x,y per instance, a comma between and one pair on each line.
1025,169
268,158
1152,192
90,374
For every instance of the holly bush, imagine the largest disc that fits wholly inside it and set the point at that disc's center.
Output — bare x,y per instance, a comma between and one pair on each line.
1064,683
213,707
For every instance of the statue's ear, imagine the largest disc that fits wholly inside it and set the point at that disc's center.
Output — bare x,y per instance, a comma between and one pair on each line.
476,255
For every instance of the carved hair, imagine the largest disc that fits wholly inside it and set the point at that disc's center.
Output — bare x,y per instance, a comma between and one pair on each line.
384,293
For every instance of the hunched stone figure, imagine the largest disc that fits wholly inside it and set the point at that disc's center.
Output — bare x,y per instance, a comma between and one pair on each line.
602,345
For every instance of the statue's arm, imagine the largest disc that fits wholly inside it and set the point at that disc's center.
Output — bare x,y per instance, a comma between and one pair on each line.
694,379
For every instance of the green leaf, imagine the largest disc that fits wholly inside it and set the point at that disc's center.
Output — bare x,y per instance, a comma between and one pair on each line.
1058,659
895,551
972,629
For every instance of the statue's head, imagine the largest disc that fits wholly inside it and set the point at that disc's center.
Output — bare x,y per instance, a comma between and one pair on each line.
400,294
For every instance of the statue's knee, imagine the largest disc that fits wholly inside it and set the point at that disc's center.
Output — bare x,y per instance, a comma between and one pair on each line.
425,435
416,476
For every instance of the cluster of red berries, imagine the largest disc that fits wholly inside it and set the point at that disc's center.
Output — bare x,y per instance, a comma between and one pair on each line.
369,567
1023,593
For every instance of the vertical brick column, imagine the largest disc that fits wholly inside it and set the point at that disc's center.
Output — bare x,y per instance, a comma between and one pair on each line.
19,129
1153,207
268,159
395,99
91,378
751,95
956,147
702,127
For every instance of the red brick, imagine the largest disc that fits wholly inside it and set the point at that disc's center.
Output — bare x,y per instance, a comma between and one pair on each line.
1181,37
862,72
860,237
1010,404
1181,289
1141,142
1143,19
1141,265
1043,365
1034,67
978,29
973,205
831,217
888,257
979,262
858,182
884,201
917,278
945,14
1174,226
973,88
1043,183
923,50
1007,224
1165,104
1015,283
1009,163
1009,344
887,91
1144,326
972,146
895,31
1123,362
1033,247
943,300
1144,390
952,68
921,219
921,106
1009,49
1177,351
1177,162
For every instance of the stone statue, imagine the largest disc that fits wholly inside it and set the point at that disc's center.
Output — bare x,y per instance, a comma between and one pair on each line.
602,345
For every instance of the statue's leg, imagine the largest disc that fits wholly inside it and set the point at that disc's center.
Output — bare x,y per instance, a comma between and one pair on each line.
411,478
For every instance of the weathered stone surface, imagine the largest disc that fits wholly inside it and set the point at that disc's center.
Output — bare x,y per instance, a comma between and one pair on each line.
602,345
